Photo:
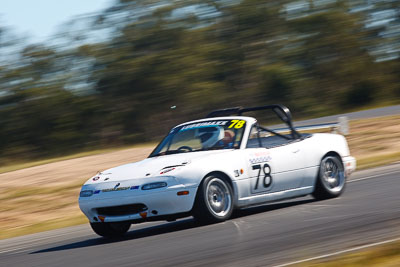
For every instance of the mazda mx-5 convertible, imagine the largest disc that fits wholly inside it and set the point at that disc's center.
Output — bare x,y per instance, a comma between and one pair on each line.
209,167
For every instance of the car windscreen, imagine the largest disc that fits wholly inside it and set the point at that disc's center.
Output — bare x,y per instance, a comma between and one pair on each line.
202,136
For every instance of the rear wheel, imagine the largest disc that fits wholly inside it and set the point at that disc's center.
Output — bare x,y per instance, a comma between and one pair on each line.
214,200
114,229
331,178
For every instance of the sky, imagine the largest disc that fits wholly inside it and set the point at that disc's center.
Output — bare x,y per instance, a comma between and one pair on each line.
39,19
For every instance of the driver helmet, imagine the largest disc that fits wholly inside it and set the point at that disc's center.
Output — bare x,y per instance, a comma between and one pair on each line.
209,136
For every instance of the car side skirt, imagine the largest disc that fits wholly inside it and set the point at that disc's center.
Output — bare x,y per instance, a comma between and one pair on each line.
275,196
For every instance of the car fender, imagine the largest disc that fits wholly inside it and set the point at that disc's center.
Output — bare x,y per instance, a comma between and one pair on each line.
231,164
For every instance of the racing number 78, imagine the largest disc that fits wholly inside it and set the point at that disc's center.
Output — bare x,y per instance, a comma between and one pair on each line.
237,124
267,178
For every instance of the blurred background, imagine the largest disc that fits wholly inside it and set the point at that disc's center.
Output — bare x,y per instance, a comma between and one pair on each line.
126,74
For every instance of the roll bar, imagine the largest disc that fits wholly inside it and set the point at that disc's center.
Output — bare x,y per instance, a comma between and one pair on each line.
280,110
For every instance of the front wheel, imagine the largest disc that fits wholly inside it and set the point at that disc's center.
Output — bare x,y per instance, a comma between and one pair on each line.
214,200
109,230
331,179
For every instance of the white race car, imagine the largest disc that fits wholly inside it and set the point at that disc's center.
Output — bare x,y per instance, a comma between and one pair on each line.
209,167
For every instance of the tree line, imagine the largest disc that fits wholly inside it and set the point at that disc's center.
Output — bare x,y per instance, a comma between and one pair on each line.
139,67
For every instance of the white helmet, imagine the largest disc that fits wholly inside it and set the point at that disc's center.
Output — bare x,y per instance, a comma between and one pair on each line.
210,135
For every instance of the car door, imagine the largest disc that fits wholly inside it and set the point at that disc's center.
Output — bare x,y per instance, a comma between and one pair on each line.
274,163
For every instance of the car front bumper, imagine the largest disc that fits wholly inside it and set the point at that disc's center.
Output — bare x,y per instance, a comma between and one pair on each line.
154,203
350,164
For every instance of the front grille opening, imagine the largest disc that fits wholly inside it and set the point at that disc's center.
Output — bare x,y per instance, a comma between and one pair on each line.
121,210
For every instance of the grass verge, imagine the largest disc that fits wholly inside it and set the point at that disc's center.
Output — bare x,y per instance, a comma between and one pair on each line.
44,226
375,161
24,164
387,255
42,195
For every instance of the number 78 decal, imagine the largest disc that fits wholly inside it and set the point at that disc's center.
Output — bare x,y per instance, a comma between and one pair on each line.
237,124
267,178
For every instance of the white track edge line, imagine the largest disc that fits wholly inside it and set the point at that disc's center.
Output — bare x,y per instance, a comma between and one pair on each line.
340,252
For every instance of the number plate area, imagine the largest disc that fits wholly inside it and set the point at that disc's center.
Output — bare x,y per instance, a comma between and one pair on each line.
261,178
274,170
260,170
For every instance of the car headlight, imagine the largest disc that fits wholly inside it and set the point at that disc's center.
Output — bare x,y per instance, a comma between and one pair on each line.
86,193
154,185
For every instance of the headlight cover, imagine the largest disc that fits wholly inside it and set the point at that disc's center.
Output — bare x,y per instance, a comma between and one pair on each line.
154,185
86,193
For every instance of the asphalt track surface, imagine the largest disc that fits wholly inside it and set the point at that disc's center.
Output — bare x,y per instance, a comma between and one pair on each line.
268,235
364,114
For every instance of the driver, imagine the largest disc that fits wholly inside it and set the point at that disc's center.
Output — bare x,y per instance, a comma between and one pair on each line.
215,137
209,136
228,139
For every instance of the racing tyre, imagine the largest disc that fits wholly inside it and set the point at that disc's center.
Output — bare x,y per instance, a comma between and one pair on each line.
110,230
331,179
214,200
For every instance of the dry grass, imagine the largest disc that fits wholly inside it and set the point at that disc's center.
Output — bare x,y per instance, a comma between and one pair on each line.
382,256
45,197
375,141
23,165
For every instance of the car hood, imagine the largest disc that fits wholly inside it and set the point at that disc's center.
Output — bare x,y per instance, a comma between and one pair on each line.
151,167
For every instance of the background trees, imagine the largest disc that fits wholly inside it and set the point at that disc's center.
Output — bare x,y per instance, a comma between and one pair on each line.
115,82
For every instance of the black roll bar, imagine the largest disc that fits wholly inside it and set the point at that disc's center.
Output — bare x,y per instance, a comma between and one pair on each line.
280,110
